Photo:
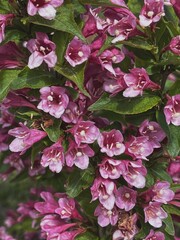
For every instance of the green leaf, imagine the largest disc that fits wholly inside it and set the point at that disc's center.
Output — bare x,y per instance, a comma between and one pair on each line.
175,186
98,2
87,236
169,225
135,6
6,79
13,35
172,209
175,89
78,181
54,131
149,179
64,21
173,145
4,7
35,150
160,172
124,105
75,74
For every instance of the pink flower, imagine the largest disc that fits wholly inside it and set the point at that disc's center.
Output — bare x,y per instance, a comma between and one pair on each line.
153,131
155,236
176,7
174,170
45,8
42,49
137,80
4,235
174,45
77,52
106,217
110,57
119,2
154,214
111,143
103,189
78,155
172,110
71,114
54,100
53,157
125,198
110,168
24,138
134,172
162,193
151,12
139,147
4,20
85,132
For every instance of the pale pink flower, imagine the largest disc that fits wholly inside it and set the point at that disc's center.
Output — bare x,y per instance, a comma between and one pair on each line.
125,198
119,2
45,8
155,235
103,189
172,110
53,157
105,216
4,235
137,81
174,45
77,52
71,114
54,100
151,12
154,214
111,143
4,19
162,193
42,49
110,168
174,170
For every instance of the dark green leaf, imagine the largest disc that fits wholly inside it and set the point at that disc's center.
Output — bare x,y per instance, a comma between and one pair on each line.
13,35
175,89
135,6
54,131
160,173
173,146
172,209
124,105
138,43
35,150
149,179
169,225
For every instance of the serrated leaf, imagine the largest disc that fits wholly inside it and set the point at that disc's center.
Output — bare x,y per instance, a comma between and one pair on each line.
169,225
172,209
124,105
54,131
64,21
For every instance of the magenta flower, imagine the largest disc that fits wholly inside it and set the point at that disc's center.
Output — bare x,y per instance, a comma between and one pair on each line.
174,170
125,198
53,157
103,189
154,214
134,173
155,236
77,52
137,80
45,8
110,57
71,114
151,12
139,147
24,138
78,155
42,49
172,110
111,143
106,217
119,2
174,45
176,7
54,100
4,235
4,20
85,132
162,193
153,131
110,168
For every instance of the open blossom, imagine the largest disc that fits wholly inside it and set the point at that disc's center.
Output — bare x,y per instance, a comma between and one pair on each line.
125,198
174,45
45,8
53,157
110,168
154,214
137,81
172,110
24,138
162,193
155,236
105,216
71,114
153,131
85,132
151,12
4,19
174,170
42,49
78,155
54,100
77,52
103,189
111,143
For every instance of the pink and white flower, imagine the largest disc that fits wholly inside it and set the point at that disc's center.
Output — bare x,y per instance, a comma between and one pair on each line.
154,214
110,168
4,19
77,52
45,8
155,235
162,193
172,110
71,114
174,45
42,49
111,143
54,100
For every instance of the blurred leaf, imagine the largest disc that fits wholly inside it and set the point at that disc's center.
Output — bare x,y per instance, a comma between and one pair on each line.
98,2
87,236
13,35
169,225
172,209
173,145
122,105
54,131
4,7
160,172
35,150
175,186
175,89
135,6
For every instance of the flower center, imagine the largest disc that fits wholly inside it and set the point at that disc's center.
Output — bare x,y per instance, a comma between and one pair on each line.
40,3
80,54
127,195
